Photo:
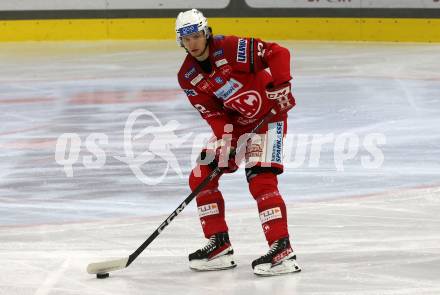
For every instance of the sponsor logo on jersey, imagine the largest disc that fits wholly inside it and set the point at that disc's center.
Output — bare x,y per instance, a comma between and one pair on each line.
197,79
190,92
190,73
221,62
229,89
219,80
254,148
275,134
201,108
270,214
245,121
219,37
218,53
204,86
188,30
209,209
247,103
254,152
242,50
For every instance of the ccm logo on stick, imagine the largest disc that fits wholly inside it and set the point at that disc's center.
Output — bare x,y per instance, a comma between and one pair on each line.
171,217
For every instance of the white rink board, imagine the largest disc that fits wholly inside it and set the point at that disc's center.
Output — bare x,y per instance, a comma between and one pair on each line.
400,4
108,4
173,4
303,4
168,4
344,4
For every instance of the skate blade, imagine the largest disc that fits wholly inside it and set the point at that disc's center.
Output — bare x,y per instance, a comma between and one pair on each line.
219,263
287,266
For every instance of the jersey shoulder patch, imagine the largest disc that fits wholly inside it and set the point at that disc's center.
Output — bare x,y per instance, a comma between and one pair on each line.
187,73
190,92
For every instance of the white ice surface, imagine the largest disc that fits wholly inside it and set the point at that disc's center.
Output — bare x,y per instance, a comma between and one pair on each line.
356,231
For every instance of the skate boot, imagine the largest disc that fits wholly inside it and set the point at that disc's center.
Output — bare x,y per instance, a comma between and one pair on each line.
216,255
279,260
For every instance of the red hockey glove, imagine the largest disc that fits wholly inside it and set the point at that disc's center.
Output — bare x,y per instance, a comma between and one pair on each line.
282,95
225,157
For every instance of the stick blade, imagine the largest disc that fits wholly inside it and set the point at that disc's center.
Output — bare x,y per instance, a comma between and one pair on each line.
107,266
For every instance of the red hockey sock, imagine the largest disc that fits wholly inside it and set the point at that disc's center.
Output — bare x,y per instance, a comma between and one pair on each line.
210,203
271,206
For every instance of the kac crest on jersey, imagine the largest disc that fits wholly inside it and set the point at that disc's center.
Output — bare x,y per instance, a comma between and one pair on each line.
247,103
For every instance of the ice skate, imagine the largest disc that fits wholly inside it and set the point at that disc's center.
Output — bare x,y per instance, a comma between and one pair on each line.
216,255
279,260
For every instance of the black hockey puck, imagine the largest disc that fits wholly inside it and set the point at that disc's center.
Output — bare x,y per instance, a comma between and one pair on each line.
102,275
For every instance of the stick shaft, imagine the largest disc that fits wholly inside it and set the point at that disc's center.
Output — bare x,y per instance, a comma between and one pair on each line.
192,195
107,266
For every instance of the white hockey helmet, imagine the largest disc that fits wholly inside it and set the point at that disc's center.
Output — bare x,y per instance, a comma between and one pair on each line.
189,22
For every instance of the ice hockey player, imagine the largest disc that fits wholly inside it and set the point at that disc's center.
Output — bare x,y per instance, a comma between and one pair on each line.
225,79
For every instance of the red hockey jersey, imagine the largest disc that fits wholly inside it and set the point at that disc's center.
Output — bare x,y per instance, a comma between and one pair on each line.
235,91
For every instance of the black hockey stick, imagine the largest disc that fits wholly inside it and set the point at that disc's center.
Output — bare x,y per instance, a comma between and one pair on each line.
117,264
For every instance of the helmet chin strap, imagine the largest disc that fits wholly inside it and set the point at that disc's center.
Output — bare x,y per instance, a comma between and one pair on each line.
204,50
